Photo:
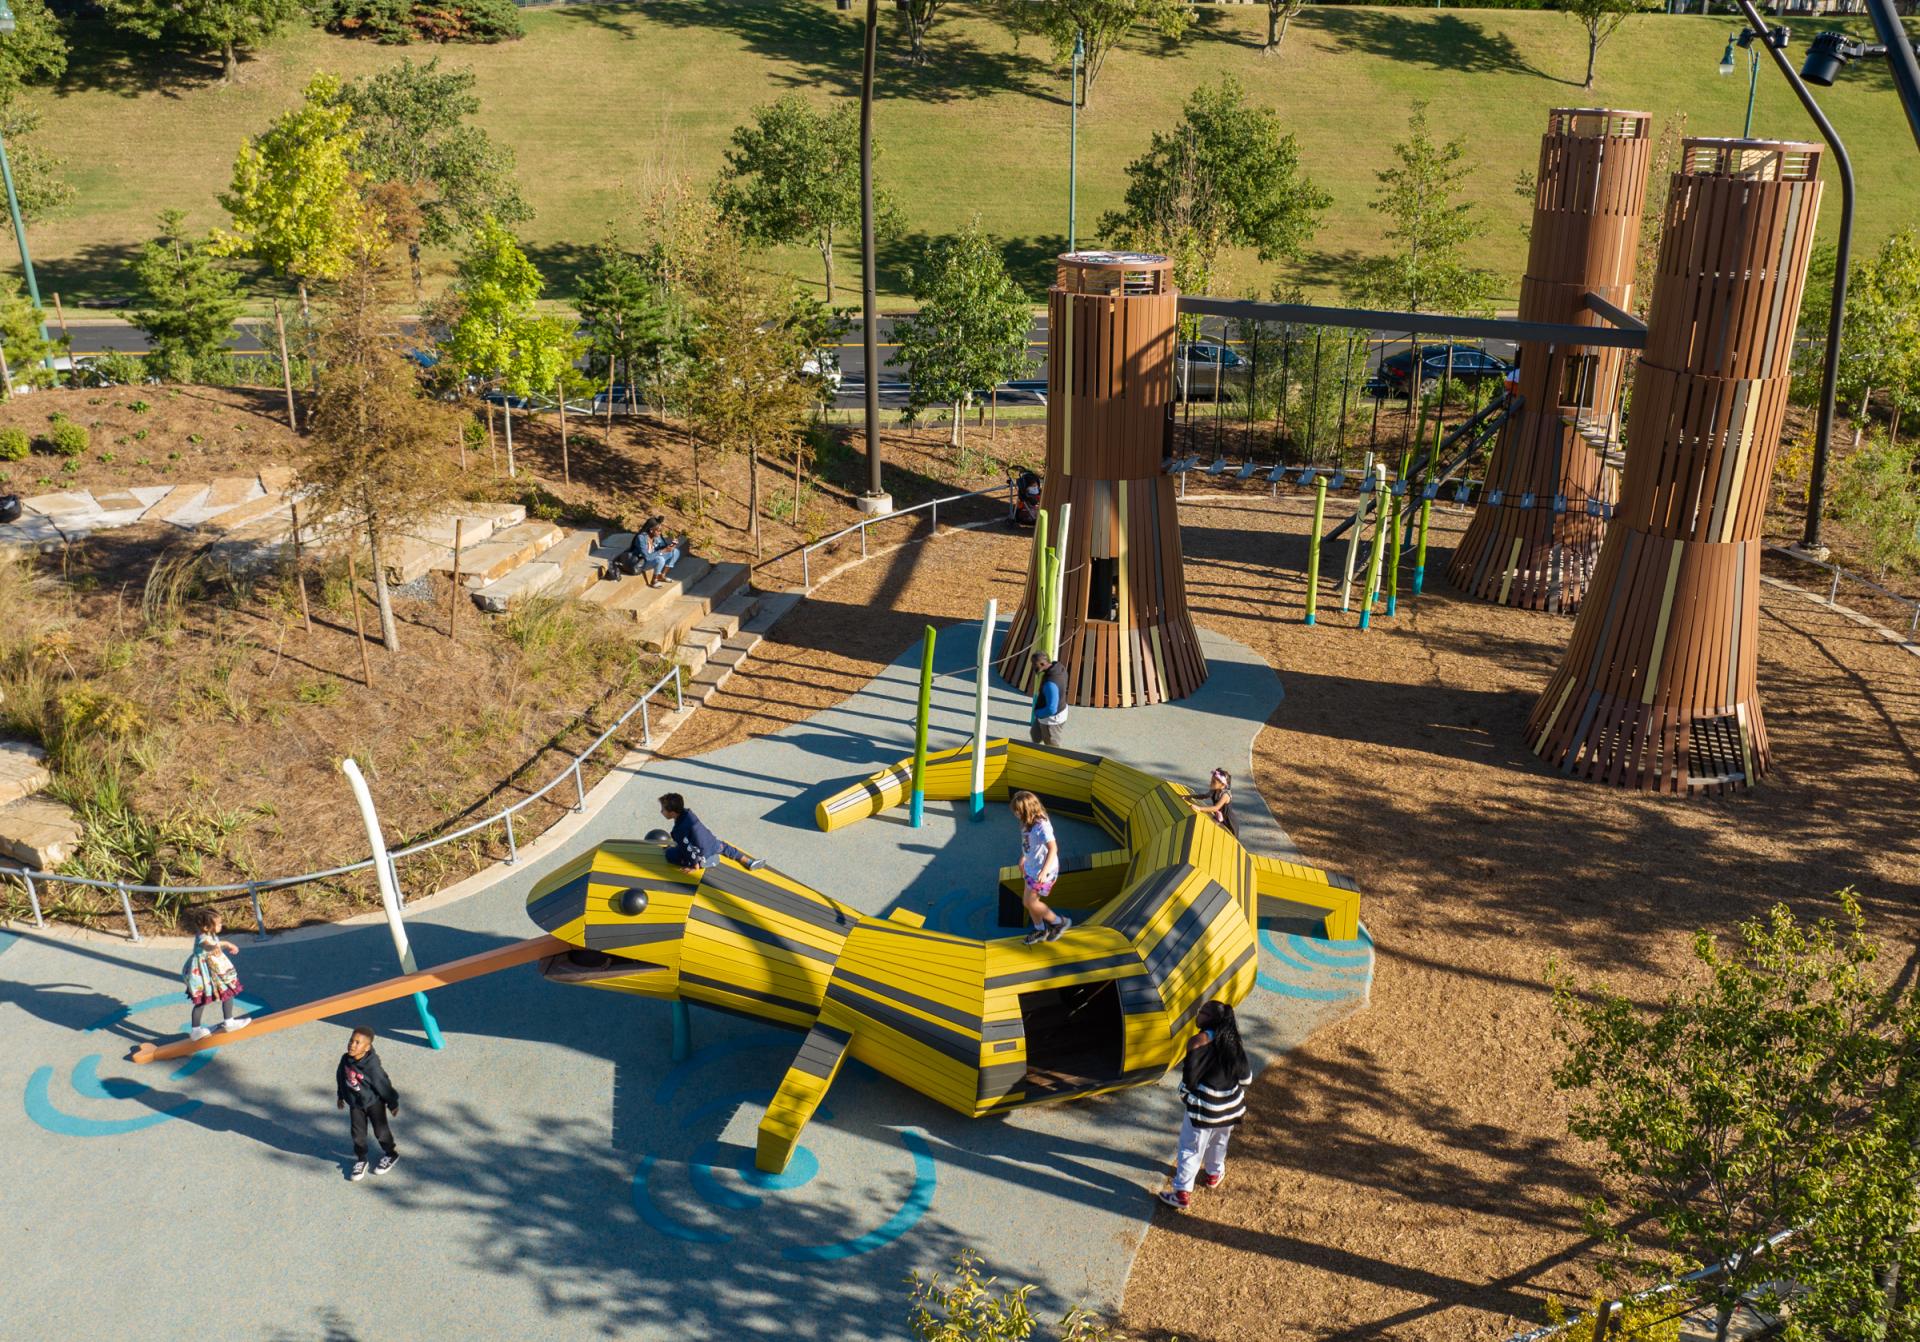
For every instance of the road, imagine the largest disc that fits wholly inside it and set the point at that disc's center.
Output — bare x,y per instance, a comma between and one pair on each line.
96,337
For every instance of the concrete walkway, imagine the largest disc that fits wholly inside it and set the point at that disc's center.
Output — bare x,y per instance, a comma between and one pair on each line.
560,1175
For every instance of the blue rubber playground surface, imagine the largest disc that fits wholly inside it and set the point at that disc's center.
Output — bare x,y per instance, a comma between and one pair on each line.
560,1174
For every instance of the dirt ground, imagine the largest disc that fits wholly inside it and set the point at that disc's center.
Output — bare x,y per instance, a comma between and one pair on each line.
1406,1173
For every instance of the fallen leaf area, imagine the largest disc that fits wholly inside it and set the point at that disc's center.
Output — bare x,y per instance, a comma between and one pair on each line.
1406,1173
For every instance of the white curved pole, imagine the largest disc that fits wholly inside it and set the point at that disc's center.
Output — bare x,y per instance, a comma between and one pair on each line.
390,894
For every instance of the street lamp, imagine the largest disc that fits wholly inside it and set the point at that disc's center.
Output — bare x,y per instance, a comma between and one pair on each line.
1073,137
13,201
875,500
1776,38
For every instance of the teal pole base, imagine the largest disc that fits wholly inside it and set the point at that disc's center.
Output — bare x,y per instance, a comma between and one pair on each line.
1393,604
979,806
1309,619
427,1022
1419,577
682,1032
1364,614
917,807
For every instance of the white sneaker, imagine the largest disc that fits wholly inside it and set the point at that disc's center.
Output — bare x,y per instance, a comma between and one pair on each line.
236,1023
198,1032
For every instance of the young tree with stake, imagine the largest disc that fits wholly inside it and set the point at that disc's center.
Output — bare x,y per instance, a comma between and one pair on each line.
1100,24
1601,19
970,334
1431,225
188,300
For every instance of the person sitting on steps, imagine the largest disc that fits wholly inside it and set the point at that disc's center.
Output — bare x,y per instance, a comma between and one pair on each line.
651,553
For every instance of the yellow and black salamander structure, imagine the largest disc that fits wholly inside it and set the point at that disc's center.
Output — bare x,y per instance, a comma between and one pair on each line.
981,1026
1168,921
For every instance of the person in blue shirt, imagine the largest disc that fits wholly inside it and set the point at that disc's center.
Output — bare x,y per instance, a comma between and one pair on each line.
651,553
693,846
1049,701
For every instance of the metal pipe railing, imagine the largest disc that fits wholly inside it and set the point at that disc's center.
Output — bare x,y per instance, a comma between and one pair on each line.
806,551
32,878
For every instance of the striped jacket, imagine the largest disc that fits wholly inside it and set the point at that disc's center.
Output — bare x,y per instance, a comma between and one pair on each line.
1215,1096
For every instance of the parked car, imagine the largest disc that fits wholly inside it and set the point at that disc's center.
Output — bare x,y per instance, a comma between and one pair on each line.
1205,368
823,366
1470,364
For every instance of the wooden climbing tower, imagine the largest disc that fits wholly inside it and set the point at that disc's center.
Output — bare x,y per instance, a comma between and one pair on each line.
1657,687
1536,532
1124,632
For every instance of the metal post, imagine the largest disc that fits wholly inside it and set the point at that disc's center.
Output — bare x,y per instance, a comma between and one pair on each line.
1313,545
646,726
33,898
1346,389
20,236
579,788
863,540
870,303
259,919
390,893
979,788
806,571
1833,593
1753,84
933,514
126,907
1073,137
678,702
513,849
918,802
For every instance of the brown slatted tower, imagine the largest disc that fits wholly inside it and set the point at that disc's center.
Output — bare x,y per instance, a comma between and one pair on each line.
1657,688
1533,538
1125,635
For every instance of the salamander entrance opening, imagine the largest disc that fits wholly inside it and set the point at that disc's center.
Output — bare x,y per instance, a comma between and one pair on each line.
1074,1035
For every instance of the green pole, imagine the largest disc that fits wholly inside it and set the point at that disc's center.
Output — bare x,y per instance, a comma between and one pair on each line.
920,728
1373,561
1042,575
1393,554
1052,603
1420,553
1313,545
20,236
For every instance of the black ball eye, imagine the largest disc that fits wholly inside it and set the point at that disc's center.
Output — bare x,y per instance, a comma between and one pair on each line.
633,903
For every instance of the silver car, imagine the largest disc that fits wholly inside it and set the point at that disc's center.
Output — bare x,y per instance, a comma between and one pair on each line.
1205,370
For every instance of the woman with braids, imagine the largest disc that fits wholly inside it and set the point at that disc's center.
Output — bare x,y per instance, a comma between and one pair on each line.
1214,1089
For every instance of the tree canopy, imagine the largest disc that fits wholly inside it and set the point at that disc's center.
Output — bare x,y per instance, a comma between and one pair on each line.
970,334
793,175
634,329
226,26
497,334
1227,175
1431,225
1101,24
1601,19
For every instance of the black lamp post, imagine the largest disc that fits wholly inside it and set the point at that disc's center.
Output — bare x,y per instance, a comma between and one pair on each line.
875,500
1774,37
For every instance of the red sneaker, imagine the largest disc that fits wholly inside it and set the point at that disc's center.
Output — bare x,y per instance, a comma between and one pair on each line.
1175,1199
1212,1180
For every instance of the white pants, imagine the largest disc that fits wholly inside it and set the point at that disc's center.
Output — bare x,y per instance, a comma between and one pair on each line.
1199,1146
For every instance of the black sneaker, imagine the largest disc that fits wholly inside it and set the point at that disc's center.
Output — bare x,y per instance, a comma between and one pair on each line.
358,1172
1056,927
1036,934
385,1163
755,863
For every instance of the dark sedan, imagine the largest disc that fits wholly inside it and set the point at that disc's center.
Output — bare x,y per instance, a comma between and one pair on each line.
1470,364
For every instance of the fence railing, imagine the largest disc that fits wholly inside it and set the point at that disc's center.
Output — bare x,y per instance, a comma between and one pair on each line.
33,879
932,506
1836,574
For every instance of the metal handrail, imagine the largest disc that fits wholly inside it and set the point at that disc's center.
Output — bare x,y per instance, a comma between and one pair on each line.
806,551
1833,590
29,875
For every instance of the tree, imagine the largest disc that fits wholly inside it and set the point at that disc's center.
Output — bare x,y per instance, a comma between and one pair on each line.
630,323
20,326
746,392
918,16
447,175
377,447
226,26
1280,17
1420,198
1750,1103
1226,175
295,198
1880,336
793,175
1601,19
496,334
1878,492
971,331
35,52
188,301
1101,24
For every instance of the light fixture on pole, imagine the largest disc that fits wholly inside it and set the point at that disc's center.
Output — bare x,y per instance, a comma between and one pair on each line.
1073,138
7,25
1744,39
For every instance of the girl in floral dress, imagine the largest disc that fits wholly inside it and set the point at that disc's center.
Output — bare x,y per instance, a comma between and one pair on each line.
1039,866
210,975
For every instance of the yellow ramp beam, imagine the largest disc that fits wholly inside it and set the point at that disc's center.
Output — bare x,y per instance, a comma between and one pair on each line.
800,1093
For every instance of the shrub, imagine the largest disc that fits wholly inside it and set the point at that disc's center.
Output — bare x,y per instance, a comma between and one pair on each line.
401,21
111,370
966,1308
14,444
67,438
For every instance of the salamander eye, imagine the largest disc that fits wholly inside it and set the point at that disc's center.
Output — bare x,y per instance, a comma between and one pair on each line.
633,903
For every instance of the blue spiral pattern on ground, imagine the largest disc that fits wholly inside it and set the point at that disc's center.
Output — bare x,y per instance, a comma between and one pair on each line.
725,1178
1289,970
88,1084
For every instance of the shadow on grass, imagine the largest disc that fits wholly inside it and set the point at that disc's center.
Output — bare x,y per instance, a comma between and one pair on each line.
100,56
1445,42
821,50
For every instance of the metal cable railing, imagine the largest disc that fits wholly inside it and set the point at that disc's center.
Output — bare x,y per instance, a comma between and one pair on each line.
1837,573
932,505
33,878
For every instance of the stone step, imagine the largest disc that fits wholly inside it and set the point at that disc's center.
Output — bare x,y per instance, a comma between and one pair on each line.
637,601
556,567
253,510
503,552
426,543
719,624
38,832
23,770
663,631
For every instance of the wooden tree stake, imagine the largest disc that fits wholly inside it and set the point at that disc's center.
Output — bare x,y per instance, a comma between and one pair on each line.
66,336
560,394
453,598
286,367
493,452
300,572
359,625
6,373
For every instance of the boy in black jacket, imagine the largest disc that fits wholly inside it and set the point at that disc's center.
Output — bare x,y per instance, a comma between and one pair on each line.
367,1093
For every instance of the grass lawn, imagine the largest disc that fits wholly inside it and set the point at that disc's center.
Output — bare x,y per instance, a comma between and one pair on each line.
602,103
